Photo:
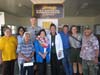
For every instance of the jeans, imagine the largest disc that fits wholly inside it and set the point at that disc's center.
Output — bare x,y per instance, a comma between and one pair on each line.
29,70
89,67
66,62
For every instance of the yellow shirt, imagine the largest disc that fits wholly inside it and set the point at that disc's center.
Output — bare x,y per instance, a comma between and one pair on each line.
8,47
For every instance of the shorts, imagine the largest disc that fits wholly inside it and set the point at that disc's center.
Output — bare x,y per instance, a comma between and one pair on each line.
75,55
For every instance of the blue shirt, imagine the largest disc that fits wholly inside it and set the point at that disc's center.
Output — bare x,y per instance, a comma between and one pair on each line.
65,40
20,39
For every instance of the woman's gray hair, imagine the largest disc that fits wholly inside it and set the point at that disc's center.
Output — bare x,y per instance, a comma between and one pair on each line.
26,33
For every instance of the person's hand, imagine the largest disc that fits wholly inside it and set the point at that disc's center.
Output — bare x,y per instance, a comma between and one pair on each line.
0,60
59,54
96,60
43,56
27,59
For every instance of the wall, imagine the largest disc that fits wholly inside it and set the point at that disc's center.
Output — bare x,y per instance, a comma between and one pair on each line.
97,19
12,19
77,20
25,21
67,20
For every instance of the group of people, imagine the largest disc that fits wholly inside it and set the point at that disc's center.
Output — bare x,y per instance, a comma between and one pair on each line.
35,49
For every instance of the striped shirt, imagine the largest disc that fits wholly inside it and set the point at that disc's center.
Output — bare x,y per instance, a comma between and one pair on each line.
25,49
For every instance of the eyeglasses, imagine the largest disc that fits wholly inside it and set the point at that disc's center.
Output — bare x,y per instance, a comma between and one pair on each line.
21,30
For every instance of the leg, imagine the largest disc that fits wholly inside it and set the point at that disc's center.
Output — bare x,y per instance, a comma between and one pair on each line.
70,69
48,69
12,63
53,64
65,62
75,67
85,68
35,69
59,67
30,70
40,69
5,68
19,67
92,68
23,70
80,68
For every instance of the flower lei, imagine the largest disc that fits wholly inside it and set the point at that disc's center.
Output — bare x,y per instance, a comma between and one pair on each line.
43,41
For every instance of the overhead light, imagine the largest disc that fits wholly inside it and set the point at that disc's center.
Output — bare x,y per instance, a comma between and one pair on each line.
19,5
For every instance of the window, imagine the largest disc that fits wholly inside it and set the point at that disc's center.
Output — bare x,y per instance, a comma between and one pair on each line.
13,28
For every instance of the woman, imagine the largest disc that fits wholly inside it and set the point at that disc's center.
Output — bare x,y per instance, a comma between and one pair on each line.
25,52
56,51
75,42
42,52
20,33
8,45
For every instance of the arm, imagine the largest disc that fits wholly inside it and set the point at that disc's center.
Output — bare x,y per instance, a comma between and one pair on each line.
96,48
60,47
60,43
22,55
32,55
0,56
36,44
48,49
33,50
37,47
19,48
1,48
97,53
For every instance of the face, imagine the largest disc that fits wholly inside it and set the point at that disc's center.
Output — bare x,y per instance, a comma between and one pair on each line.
21,31
87,32
33,21
65,29
42,34
27,37
7,32
53,29
74,30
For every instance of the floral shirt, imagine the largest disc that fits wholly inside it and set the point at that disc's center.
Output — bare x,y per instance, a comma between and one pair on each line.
89,47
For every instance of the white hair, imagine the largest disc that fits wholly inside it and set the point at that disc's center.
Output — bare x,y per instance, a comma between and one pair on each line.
26,33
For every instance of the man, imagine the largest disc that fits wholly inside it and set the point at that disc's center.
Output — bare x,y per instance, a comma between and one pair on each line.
8,45
56,50
34,29
66,46
89,53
